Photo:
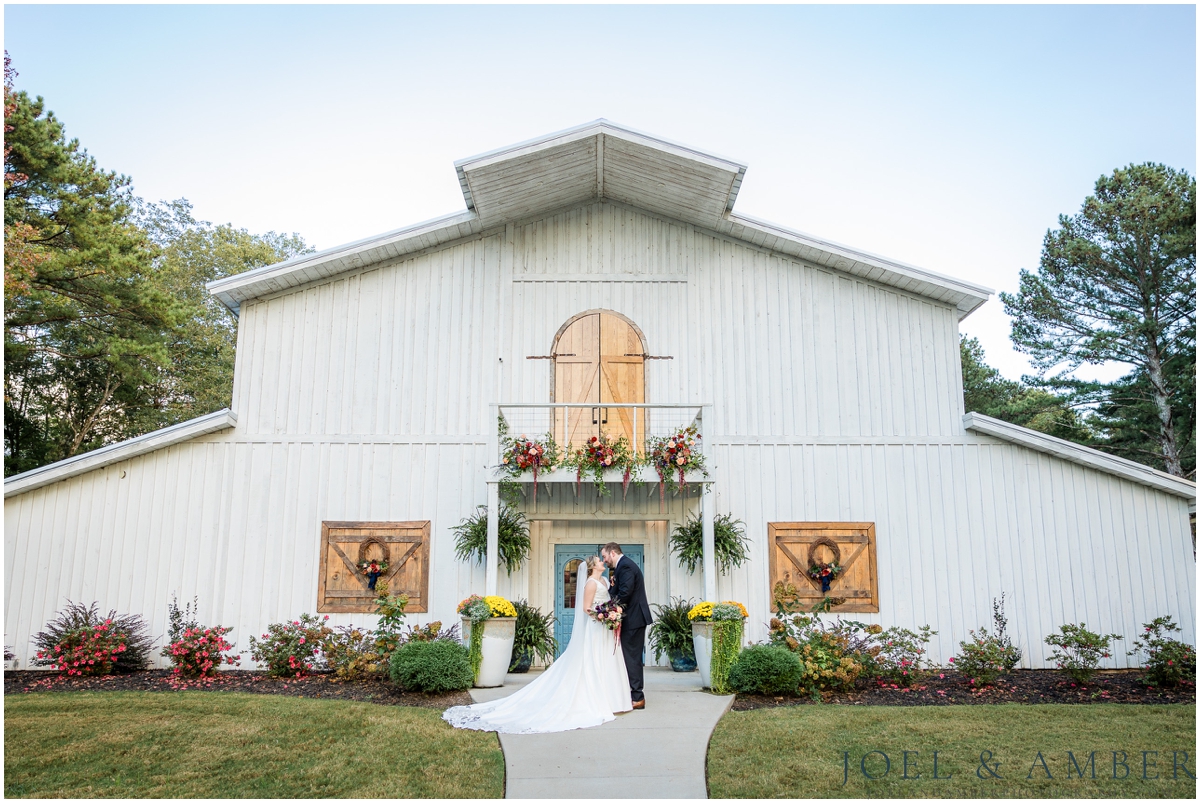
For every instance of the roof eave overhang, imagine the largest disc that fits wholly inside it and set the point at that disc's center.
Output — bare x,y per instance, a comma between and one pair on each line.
1082,455
118,452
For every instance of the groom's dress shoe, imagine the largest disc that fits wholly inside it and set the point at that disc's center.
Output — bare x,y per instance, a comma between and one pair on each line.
639,705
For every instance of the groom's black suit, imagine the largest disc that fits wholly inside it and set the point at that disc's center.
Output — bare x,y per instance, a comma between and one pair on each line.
629,590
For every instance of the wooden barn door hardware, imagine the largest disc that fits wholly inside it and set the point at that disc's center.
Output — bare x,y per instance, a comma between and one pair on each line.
794,547
343,585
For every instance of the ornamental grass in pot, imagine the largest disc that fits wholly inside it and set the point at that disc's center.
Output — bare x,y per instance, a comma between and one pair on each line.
671,634
534,637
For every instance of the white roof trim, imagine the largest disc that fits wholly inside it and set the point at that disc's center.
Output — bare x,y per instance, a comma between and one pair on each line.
235,290
1083,455
115,453
966,296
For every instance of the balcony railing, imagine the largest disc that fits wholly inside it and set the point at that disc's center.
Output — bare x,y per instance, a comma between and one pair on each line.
572,425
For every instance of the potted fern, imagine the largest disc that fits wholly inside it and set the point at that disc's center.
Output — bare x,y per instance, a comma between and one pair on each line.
534,637
671,634
470,540
731,547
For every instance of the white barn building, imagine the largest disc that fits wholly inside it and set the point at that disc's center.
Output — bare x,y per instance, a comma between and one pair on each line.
601,266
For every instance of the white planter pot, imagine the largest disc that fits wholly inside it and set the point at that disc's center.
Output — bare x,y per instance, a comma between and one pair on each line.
702,640
498,635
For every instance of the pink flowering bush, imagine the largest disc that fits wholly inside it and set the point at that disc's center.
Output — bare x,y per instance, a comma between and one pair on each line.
902,654
1169,661
200,652
78,641
1079,651
292,649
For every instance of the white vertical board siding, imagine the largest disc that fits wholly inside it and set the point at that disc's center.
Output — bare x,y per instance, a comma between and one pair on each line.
408,348
959,524
235,523
782,348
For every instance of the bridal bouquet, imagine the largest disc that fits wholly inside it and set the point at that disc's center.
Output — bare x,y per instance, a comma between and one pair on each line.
609,614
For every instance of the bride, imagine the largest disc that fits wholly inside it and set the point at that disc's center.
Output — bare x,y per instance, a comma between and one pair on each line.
582,689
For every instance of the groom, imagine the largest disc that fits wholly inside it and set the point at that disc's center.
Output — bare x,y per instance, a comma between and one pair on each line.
629,590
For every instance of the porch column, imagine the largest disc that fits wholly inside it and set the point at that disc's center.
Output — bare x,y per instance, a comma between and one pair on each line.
710,561
492,560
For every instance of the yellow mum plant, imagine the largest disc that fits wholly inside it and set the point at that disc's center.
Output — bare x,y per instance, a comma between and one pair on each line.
500,606
702,611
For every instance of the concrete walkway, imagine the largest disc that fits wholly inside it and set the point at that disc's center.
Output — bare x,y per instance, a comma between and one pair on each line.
657,752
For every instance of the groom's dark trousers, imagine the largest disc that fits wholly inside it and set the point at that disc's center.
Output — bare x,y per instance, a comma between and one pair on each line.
633,642
629,589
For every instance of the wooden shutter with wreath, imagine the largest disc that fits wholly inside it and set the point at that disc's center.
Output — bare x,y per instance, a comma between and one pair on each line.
794,547
344,587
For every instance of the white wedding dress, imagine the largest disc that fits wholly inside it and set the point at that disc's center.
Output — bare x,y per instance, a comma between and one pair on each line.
585,687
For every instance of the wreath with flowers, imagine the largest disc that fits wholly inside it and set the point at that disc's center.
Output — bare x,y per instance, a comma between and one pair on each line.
672,456
599,454
820,571
521,454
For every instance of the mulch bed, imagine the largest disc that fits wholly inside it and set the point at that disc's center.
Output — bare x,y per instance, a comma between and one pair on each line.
317,686
1023,686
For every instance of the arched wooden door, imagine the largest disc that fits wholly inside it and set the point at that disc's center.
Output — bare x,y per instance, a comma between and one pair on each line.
599,358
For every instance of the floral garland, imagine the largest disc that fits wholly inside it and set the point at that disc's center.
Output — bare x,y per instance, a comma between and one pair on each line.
824,573
675,455
599,454
521,454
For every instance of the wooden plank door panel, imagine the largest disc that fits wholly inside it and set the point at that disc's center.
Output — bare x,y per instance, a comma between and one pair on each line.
791,545
577,379
343,588
622,377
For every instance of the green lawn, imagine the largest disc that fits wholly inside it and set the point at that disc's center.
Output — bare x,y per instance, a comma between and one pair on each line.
798,751
198,744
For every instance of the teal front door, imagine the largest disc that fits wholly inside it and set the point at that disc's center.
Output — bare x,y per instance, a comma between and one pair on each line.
567,558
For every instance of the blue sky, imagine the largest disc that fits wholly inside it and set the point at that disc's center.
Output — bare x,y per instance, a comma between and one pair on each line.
950,137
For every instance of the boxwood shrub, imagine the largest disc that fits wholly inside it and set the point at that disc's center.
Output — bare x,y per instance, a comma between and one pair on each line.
766,669
431,666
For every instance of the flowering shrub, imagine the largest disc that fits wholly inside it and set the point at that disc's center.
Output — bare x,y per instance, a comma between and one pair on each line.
291,648
78,641
388,635
1079,650
200,652
901,654
1169,662
827,661
350,652
987,656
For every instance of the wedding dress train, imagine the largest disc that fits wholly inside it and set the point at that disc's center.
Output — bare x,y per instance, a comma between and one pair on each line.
582,689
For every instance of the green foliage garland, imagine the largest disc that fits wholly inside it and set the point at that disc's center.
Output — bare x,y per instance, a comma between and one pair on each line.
476,651
727,643
731,547
470,541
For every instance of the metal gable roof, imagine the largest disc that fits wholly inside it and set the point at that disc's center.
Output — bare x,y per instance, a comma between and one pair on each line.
599,160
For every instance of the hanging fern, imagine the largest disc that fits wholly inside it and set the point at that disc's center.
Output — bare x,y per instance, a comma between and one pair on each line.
470,541
730,544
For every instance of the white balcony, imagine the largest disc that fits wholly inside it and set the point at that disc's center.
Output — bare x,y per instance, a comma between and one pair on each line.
571,425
